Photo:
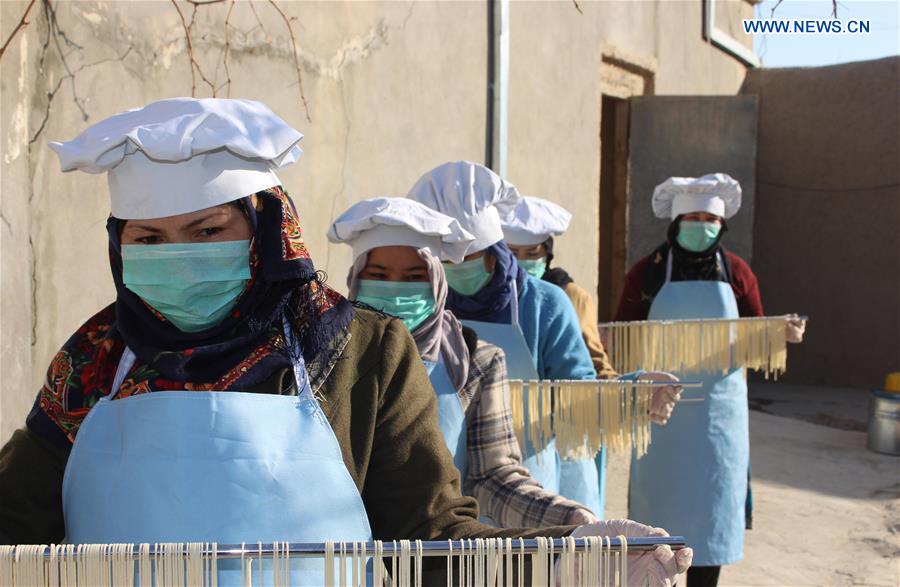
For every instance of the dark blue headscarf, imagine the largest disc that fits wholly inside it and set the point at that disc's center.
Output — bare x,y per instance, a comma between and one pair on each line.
493,302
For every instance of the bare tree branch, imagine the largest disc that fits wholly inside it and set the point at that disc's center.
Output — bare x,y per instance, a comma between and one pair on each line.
774,8
258,21
190,49
23,22
227,49
290,28
56,34
577,7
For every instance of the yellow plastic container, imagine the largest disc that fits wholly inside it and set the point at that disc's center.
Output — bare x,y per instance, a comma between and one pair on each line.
892,382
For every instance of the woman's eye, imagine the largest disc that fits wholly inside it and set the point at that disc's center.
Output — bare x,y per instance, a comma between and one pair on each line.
211,231
149,240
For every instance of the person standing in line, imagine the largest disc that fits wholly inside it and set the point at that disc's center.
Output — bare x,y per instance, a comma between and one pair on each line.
701,457
398,245
490,287
529,230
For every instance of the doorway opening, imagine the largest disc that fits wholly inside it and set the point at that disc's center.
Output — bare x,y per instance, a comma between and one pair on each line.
622,76
612,223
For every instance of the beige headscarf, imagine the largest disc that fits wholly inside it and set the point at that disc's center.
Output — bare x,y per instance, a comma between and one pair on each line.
440,336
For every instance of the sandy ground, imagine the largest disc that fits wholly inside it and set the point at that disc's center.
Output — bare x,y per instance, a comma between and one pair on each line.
827,510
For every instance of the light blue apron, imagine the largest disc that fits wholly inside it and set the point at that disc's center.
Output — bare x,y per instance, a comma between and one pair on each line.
693,479
451,416
226,467
584,481
543,465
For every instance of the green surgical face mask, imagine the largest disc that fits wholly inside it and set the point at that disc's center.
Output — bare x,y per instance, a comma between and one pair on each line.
194,285
697,236
411,301
534,267
468,277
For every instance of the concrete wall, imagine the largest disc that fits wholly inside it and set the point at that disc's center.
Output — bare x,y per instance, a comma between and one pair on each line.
394,88
827,237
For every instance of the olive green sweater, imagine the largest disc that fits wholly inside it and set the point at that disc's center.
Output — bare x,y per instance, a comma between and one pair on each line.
376,395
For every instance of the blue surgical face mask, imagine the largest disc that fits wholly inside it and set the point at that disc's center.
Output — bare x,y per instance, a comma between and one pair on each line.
467,277
697,236
534,267
411,301
194,285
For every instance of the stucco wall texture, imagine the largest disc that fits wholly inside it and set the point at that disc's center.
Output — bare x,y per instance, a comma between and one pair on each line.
393,88
827,233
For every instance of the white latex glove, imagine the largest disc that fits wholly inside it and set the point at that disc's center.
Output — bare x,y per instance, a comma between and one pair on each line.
656,568
794,328
664,397
580,517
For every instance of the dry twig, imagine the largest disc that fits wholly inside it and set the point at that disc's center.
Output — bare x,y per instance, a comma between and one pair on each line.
577,7
23,22
190,45
259,22
227,50
290,28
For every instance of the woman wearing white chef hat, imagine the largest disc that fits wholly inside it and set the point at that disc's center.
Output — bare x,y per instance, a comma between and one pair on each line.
531,320
529,230
705,445
398,245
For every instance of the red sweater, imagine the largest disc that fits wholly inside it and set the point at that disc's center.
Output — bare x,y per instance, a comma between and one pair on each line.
635,305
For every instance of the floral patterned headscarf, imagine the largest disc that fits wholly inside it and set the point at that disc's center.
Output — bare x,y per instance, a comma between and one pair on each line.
244,350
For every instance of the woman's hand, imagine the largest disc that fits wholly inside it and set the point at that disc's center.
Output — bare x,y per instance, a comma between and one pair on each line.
664,397
659,567
794,327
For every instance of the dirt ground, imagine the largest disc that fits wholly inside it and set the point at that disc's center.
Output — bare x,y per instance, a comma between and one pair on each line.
826,509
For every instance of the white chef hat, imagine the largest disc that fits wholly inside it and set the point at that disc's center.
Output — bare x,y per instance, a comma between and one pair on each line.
716,193
472,194
182,155
533,221
382,222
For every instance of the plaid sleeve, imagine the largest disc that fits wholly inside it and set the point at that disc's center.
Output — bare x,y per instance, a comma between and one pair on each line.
504,488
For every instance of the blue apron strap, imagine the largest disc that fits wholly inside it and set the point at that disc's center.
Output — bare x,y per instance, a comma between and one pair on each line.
301,377
514,304
125,365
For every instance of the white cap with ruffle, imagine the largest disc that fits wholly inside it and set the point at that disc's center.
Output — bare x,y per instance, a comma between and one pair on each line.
472,194
716,193
382,222
533,221
183,154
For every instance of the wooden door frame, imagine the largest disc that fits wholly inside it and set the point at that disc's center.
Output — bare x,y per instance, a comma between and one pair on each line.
622,77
